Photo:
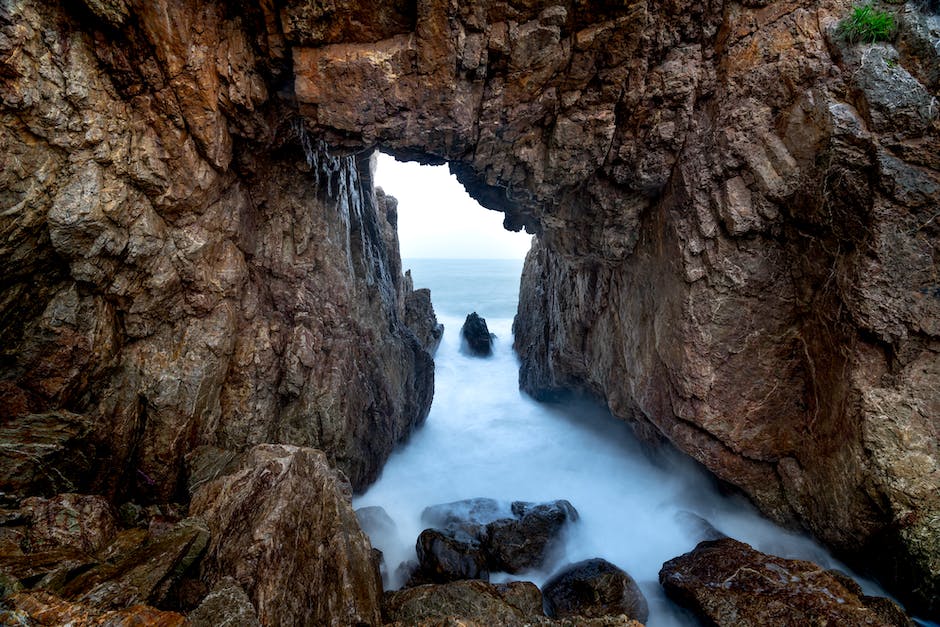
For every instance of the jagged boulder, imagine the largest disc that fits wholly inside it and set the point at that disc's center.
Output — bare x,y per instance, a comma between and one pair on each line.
594,588
477,336
474,537
283,527
84,522
728,583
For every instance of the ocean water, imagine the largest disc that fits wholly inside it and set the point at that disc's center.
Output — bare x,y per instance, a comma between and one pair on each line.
484,438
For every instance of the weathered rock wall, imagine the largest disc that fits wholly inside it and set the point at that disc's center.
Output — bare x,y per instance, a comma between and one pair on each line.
736,216
736,221
183,264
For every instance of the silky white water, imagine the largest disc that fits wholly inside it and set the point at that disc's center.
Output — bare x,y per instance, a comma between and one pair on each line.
484,438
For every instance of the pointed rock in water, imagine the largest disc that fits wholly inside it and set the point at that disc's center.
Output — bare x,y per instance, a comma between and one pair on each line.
420,318
477,335
728,583
594,588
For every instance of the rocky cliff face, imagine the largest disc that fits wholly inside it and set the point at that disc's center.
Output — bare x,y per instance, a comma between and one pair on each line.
737,227
736,215
184,265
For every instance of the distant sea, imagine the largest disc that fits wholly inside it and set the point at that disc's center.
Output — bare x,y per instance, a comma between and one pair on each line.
458,286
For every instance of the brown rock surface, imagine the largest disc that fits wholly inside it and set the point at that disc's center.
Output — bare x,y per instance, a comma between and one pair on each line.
736,224
69,520
42,608
735,216
283,527
726,582
182,264
472,602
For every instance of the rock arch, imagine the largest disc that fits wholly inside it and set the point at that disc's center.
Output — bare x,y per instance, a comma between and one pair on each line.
736,247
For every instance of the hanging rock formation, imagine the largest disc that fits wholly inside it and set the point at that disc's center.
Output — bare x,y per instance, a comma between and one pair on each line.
736,220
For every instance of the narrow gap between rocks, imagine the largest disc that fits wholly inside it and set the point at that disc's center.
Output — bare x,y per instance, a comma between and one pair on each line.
486,440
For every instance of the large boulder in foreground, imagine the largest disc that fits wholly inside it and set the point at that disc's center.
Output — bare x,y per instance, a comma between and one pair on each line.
594,588
283,526
477,335
726,582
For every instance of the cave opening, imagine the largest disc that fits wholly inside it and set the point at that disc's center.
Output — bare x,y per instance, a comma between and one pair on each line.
486,447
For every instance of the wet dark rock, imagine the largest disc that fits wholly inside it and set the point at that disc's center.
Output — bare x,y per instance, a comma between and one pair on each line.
45,454
283,526
477,336
420,318
515,544
594,588
726,582
451,555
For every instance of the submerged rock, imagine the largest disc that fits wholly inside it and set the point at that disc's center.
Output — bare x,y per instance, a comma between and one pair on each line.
477,336
594,588
728,583
283,526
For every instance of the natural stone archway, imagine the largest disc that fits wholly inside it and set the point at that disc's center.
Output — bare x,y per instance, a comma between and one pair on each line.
737,240
735,216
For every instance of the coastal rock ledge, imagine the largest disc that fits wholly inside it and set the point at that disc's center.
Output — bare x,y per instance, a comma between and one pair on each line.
736,246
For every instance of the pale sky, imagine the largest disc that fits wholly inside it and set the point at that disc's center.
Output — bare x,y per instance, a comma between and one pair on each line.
437,219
